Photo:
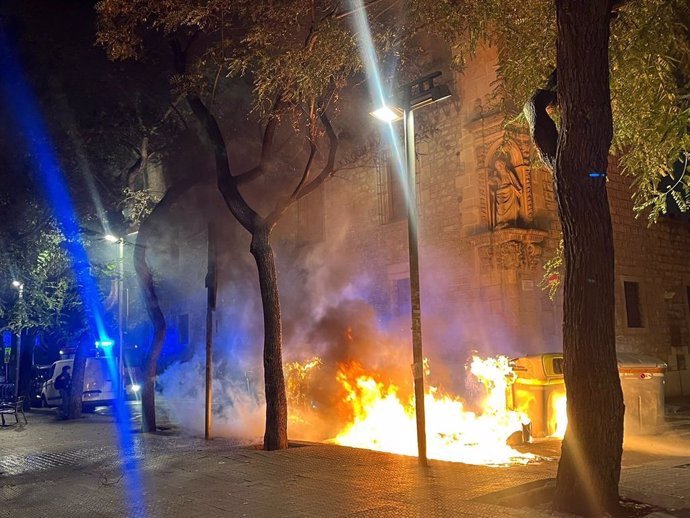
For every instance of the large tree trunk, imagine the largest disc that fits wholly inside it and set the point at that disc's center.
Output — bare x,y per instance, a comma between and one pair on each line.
153,309
25,364
275,437
77,390
589,469
148,397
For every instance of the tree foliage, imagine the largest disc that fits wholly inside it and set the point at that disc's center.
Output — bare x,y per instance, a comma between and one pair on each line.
649,71
49,292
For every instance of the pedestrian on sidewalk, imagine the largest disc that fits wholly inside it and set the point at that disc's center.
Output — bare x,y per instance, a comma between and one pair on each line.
63,383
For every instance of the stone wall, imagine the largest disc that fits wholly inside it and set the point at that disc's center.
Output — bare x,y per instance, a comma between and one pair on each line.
480,280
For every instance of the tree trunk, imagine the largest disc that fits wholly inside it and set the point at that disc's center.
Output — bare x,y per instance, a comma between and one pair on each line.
145,277
77,390
25,366
275,437
589,469
148,289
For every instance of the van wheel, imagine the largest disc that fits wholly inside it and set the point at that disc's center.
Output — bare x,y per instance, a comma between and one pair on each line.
88,409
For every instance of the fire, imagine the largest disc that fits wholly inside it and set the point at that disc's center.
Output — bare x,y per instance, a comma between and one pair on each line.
558,420
298,387
381,421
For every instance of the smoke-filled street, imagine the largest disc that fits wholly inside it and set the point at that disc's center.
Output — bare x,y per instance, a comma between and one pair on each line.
332,258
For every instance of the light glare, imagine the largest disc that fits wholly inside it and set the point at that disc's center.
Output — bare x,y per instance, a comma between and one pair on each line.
387,114
111,238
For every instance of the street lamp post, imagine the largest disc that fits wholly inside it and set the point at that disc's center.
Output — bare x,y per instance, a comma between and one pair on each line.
414,95
120,312
20,288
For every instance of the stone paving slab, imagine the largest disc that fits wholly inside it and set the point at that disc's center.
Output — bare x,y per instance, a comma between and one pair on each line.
664,483
76,469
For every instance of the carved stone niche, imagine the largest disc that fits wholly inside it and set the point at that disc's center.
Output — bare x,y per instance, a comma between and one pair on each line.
508,193
509,249
503,173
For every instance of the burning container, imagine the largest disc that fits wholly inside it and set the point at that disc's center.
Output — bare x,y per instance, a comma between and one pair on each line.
539,392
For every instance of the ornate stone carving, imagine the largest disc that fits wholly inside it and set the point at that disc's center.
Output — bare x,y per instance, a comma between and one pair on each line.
511,255
509,249
533,253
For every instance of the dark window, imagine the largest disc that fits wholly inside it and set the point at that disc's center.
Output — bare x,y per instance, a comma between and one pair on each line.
558,365
183,328
391,191
632,303
398,207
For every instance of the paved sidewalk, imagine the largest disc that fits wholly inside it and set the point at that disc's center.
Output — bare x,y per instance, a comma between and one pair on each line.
77,470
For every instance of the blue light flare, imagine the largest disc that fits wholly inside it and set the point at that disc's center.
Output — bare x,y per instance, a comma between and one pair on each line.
376,91
19,102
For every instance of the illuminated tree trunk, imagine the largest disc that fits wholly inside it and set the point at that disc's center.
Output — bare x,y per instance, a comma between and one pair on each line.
145,277
275,436
153,309
77,389
589,469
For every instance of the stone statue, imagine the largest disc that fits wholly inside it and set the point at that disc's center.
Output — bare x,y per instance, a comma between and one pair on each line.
505,195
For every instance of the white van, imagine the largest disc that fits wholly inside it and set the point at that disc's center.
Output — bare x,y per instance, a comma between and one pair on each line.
98,384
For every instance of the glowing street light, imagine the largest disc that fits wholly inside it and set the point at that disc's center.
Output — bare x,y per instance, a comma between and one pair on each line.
387,113
412,96
111,238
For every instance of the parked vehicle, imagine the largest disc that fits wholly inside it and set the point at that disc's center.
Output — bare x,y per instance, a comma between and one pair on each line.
39,375
98,384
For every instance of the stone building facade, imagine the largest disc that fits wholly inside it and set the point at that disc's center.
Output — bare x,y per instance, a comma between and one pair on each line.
487,223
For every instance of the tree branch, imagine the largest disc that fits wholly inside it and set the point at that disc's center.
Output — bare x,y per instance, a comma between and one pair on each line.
329,168
227,183
266,146
542,128
307,170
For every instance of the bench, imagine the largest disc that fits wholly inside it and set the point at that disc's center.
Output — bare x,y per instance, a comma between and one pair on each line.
9,405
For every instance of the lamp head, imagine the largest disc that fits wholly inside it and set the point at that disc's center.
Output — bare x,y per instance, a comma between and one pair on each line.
387,113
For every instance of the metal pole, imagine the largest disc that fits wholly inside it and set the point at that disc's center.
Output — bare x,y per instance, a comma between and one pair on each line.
211,285
415,298
120,313
19,348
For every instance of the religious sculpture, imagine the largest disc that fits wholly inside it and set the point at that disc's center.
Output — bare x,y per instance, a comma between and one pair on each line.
505,195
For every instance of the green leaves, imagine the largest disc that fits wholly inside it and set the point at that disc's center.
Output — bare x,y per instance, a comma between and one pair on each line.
49,290
553,272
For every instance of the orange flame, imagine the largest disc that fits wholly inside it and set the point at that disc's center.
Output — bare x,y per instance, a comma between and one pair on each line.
381,421
558,420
